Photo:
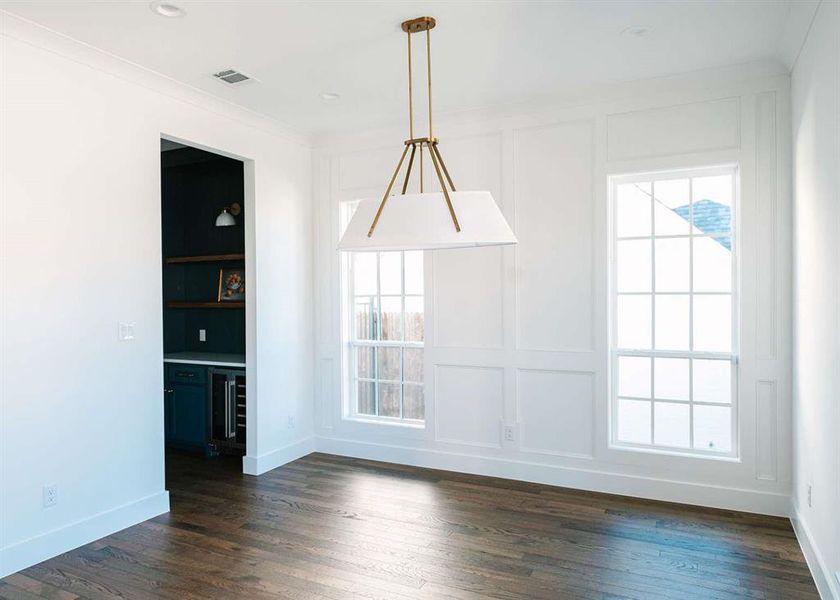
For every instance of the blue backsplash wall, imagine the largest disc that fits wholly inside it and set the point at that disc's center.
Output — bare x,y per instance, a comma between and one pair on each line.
195,186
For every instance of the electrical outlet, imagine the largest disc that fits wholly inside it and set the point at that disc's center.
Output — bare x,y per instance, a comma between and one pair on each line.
50,495
810,496
290,422
202,335
509,433
126,332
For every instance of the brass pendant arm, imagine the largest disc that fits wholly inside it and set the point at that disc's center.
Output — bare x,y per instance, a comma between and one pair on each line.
387,193
408,169
445,191
436,150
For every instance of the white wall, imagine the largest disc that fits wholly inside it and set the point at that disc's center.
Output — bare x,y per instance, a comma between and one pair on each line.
519,334
81,251
816,148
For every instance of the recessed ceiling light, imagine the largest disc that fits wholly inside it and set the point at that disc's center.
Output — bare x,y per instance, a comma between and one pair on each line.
329,96
638,32
167,9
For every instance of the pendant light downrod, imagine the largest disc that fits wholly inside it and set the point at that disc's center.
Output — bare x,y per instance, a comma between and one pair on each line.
414,222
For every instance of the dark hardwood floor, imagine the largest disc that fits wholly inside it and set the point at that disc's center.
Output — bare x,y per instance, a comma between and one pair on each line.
331,527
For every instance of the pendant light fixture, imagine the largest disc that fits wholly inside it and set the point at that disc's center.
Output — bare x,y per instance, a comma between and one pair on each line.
425,220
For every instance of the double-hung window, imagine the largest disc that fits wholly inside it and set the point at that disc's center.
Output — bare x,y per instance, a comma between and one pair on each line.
673,367
384,334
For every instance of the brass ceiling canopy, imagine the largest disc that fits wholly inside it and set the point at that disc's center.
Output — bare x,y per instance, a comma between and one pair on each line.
419,24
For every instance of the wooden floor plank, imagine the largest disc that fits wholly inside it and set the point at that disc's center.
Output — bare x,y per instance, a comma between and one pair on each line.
333,528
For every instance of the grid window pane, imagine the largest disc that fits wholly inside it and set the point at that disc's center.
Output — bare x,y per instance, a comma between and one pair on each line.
391,317
674,294
413,365
634,421
414,273
414,319
712,264
364,274
671,378
711,205
366,318
413,402
672,265
672,319
389,399
366,398
670,206
671,424
390,273
712,381
712,428
633,209
389,363
634,322
634,376
713,323
365,362
633,260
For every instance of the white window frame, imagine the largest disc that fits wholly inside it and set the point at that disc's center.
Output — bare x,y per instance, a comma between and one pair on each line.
349,343
613,182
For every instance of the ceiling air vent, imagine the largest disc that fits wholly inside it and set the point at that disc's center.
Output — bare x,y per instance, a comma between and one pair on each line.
232,76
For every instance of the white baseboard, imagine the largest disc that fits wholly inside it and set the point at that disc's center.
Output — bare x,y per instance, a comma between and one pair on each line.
826,583
257,465
584,479
37,549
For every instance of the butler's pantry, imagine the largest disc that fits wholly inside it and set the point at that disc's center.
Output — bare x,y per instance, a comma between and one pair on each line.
204,290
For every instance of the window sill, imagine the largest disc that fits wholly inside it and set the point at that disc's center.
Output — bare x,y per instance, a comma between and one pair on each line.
418,425
730,458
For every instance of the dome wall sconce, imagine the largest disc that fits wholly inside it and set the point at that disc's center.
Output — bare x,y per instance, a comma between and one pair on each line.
226,217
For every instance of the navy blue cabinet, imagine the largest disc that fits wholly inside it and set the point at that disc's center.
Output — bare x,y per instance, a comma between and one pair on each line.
185,406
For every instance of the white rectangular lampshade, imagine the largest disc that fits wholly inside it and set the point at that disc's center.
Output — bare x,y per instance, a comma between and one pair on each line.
423,222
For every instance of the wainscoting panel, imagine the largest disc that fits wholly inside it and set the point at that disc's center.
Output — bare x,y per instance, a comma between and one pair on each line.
553,168
469,405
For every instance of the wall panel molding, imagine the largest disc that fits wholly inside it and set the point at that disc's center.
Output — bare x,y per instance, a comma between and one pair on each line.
469,405
571,421
767,419
766,225
705,126
554,220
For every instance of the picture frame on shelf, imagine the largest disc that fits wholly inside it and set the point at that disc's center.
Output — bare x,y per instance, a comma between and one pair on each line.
231,285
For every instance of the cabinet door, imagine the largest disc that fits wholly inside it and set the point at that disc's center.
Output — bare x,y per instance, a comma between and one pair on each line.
189,414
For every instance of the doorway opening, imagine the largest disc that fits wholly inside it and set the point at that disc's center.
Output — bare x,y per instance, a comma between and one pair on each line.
204,315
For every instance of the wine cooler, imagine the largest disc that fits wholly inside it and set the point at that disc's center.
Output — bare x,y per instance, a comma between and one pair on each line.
227,408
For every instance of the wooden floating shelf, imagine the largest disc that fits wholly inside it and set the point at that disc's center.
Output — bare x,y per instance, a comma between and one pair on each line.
228,305
173,260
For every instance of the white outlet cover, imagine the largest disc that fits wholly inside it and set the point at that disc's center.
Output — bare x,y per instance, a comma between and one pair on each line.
50,495
509,432
126,332
202,335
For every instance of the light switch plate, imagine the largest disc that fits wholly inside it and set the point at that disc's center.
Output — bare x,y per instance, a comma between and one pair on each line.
126,332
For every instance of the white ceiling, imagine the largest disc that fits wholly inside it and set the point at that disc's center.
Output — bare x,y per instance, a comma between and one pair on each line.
483,53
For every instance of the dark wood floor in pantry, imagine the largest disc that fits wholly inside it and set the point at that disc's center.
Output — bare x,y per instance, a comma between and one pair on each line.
334,528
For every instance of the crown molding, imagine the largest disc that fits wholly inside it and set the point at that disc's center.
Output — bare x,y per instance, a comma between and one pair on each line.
610,97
